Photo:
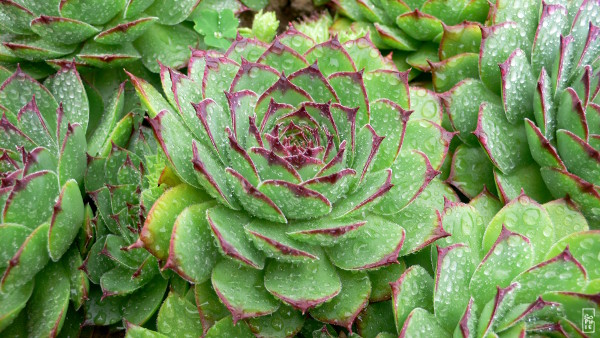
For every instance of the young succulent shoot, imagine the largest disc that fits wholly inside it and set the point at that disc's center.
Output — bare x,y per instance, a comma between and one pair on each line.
265,25
105,34
304,174
124,183
42,163
533,107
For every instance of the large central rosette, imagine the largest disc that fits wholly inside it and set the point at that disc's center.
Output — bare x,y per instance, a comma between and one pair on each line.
297,160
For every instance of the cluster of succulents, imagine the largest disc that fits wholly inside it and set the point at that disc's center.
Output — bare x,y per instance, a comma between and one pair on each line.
105,34
531,111
300,183
414,30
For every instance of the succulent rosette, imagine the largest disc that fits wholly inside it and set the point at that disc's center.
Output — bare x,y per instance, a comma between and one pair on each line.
414,30
538,63
102,33
526,270
43,146
304,178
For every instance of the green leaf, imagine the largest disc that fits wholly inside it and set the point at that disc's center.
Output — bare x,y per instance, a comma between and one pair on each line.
526,217
331,57
582,246
34,48
451,295
31,258
497,45
80,284
458,39
136,7
226,328
425,105
167,44
526,178
285,322
420,26
96,264
283,58
242,290
217,27
541,149
449,72
295,201
429,138
156,233
191,241
72,157
123,281
95,12
254,202
172,12
376,318
412,290
296,40
107,56
178,317
389,120
563,183
381,279
421,59
524,12
553,19
228,230
324,231
560,273
465,225
510,255
100,311
505,143
125,32
420,220
566,218
343,309
19,89
518,86
396,38
579,157
351,91
12,303
314,82
110,117
365,196
134,331
421,323
11,237
67,218
462,103
15,17
142,304
48,306
272,239
471,170
208,303
302,285
62,30
375,244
